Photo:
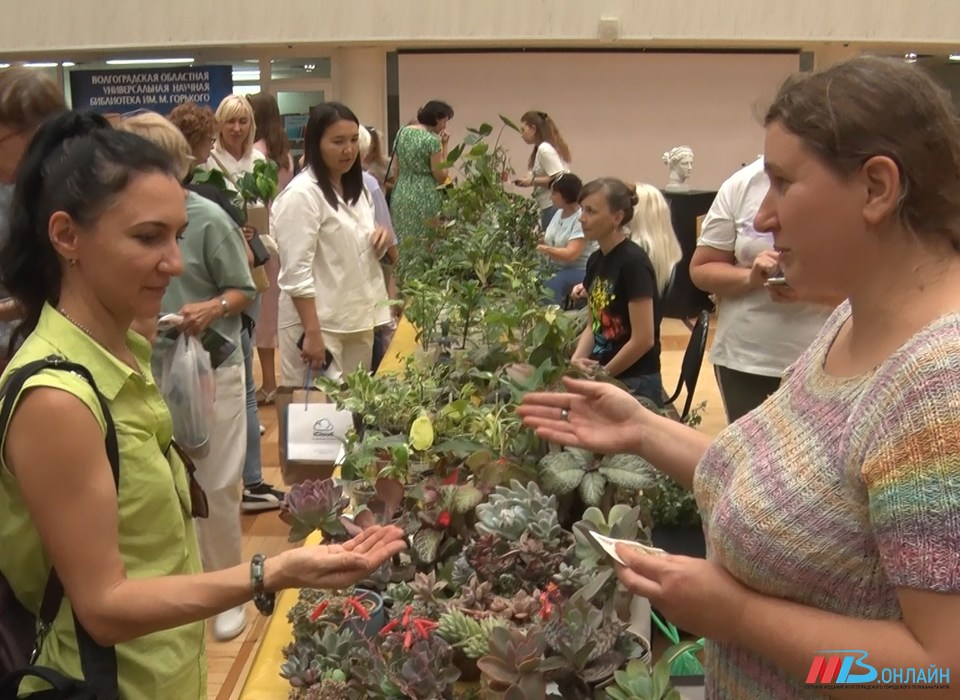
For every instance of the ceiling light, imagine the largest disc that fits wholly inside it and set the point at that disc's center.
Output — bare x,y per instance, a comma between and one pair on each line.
910,57
955,57
68,64
246,75
44,64
147,61
4,65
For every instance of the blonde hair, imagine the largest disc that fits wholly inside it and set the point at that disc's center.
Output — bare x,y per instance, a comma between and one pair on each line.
161,132
652,230
363,140
234,107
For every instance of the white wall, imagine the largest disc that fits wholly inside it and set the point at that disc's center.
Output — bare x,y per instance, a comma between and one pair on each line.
617,112
45,26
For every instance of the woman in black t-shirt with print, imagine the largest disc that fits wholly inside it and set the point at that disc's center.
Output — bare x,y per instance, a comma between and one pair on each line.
623,336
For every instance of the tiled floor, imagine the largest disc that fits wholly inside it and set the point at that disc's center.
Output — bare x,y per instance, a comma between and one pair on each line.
229,662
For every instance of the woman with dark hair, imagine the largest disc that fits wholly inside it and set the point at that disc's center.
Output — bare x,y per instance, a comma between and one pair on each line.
332,289
93,244
420,151
563,241
550,157
832,510
623,336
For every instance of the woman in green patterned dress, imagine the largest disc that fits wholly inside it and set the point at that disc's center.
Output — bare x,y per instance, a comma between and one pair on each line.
421,148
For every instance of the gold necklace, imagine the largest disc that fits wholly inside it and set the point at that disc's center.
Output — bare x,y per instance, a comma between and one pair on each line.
89,334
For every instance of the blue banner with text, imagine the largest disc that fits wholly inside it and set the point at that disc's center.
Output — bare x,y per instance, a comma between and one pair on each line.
157,89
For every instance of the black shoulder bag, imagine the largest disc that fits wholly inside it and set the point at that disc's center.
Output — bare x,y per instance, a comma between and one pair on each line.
21,634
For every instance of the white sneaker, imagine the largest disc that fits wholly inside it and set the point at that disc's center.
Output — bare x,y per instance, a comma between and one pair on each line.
229,624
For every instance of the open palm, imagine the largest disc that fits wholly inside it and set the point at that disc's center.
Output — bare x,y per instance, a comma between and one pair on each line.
342,565
601,417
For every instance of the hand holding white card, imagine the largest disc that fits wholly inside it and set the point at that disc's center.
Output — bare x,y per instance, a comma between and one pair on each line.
609,545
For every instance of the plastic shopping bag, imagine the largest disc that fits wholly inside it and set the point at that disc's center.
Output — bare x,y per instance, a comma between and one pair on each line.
188,386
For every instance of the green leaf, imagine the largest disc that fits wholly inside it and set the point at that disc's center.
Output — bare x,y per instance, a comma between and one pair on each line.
467,498
509,123
624,521
425,543
591,488
631,463
479,149
626,478
595,516
560,472
585,457
485,129
589,591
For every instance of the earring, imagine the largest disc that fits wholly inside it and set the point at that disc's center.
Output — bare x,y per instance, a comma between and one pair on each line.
72,262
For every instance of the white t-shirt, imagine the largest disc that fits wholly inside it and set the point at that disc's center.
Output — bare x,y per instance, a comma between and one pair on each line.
546,162
754,334
561,230
327,254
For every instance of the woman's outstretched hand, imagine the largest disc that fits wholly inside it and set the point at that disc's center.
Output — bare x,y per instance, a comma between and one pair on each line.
341,565
592,415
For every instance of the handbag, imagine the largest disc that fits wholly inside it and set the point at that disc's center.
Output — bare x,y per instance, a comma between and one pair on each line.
21,635
388,191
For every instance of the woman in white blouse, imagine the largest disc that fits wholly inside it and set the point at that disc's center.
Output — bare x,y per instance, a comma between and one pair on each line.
549,159
332,293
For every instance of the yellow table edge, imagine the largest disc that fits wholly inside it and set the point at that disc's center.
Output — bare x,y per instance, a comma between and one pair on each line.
264,681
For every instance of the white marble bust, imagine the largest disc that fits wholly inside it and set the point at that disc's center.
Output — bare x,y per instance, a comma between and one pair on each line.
680,162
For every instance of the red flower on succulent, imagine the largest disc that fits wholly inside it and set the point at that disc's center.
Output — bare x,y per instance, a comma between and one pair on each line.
443,520
318,611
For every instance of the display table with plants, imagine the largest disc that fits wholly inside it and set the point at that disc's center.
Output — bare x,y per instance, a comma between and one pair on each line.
503,591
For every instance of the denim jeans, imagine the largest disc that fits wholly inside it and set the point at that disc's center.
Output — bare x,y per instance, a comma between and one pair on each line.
562,283
648,386
252,468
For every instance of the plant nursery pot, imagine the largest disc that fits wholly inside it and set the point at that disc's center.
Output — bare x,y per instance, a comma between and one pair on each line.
686,540
369,629
360,493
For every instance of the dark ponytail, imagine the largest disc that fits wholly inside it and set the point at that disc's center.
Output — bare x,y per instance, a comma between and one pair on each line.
76,163
620,195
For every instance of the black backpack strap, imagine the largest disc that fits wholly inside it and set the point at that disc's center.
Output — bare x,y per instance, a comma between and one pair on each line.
59,683
99,663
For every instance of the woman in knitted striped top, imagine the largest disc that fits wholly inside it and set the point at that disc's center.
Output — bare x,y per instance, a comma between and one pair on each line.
832,511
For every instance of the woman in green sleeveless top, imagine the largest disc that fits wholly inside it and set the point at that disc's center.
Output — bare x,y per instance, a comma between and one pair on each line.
93,244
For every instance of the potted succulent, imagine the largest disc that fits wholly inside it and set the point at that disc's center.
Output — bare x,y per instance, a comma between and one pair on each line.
315,504
358,609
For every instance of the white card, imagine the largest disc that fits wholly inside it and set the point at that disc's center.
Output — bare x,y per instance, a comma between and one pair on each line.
609,545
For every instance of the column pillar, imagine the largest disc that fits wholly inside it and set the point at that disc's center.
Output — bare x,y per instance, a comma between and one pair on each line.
360,76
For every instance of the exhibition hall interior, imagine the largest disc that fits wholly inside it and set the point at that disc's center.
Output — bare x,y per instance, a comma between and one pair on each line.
450,350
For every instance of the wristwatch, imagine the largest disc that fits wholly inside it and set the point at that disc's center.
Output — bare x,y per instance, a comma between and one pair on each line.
225,306
264,600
